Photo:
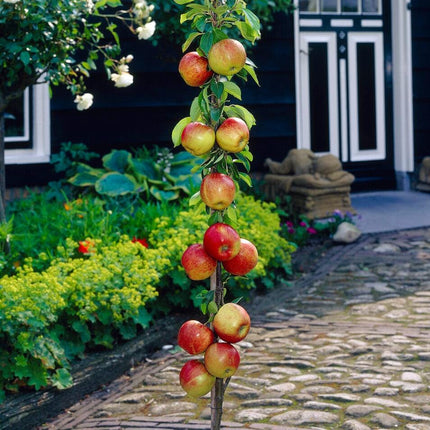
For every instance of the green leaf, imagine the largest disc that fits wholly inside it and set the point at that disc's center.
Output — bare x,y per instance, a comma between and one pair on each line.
233,89
195,111
190,40
182,1
25,57
245,178
247,31
241,112
143,317
117,161
178,129
252,20
212,307
206,42
252,73
116,184
86,176
195,199
217,88
163,195
62,379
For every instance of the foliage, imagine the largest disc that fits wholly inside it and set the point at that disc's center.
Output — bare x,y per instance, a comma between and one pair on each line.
159,175
49,42
166,14
107,291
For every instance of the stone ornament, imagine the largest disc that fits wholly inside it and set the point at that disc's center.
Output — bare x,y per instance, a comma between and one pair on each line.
424,175
318,185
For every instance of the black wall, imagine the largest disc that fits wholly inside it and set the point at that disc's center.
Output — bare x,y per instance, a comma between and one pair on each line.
146,112
421,77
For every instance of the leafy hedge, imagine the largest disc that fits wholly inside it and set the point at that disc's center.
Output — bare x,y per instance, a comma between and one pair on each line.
49,318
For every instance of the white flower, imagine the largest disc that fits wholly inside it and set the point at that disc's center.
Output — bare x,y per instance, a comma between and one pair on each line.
146,31
122,80
90,5
123,68
11,1
129,58
84,101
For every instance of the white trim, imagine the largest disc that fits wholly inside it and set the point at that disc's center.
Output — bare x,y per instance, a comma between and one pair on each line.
341,22
311,22
297,55
330,39
371,23
402,87
41,141
25,136
343,109
377,38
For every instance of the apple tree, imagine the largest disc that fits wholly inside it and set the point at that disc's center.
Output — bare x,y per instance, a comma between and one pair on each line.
218,131
62,41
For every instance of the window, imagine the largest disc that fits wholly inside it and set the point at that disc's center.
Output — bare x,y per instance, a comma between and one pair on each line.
27,127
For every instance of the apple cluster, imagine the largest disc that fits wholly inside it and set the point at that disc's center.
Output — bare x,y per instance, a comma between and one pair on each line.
231,324
222,246
226,57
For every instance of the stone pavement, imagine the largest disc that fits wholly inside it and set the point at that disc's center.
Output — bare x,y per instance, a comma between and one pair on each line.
346,346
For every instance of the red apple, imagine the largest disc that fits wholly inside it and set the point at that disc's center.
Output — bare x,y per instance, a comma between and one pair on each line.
198,138
195,379
217,191
194,69
245,261
221,241
232,135
232,323
194,337
222,360
227,57
197,263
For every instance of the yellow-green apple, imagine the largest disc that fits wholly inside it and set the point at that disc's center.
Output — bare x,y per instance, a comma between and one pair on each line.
194,69
232,135
198,264
195,379
227,57
245,261
222,360
194,337
221,241
232,323
198,138
217,190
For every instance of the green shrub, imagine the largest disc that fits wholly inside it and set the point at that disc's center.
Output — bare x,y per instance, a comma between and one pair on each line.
79,302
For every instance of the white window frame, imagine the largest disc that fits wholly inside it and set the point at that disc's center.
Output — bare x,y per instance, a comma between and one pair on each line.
40,150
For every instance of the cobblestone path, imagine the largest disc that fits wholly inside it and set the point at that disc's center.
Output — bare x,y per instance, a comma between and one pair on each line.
347,346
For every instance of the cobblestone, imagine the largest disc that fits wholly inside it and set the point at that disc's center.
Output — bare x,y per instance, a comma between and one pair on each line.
346,346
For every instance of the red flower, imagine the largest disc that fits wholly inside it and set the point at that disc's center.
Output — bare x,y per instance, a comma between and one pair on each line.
87,246
143,242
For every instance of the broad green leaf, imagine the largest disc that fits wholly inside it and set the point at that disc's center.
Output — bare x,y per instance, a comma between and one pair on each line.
241,112
117,160
251,71
190,40
62,379
147,169
245,178
86,176
195,111
233,89
182,1
247,31
206,42
163,195
116,184
217,88
252,20
178,129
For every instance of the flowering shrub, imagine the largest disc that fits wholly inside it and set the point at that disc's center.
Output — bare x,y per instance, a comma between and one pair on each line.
97,291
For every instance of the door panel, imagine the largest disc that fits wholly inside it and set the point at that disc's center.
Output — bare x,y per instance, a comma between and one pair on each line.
341,84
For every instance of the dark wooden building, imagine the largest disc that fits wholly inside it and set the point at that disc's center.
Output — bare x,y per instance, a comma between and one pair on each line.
350,77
